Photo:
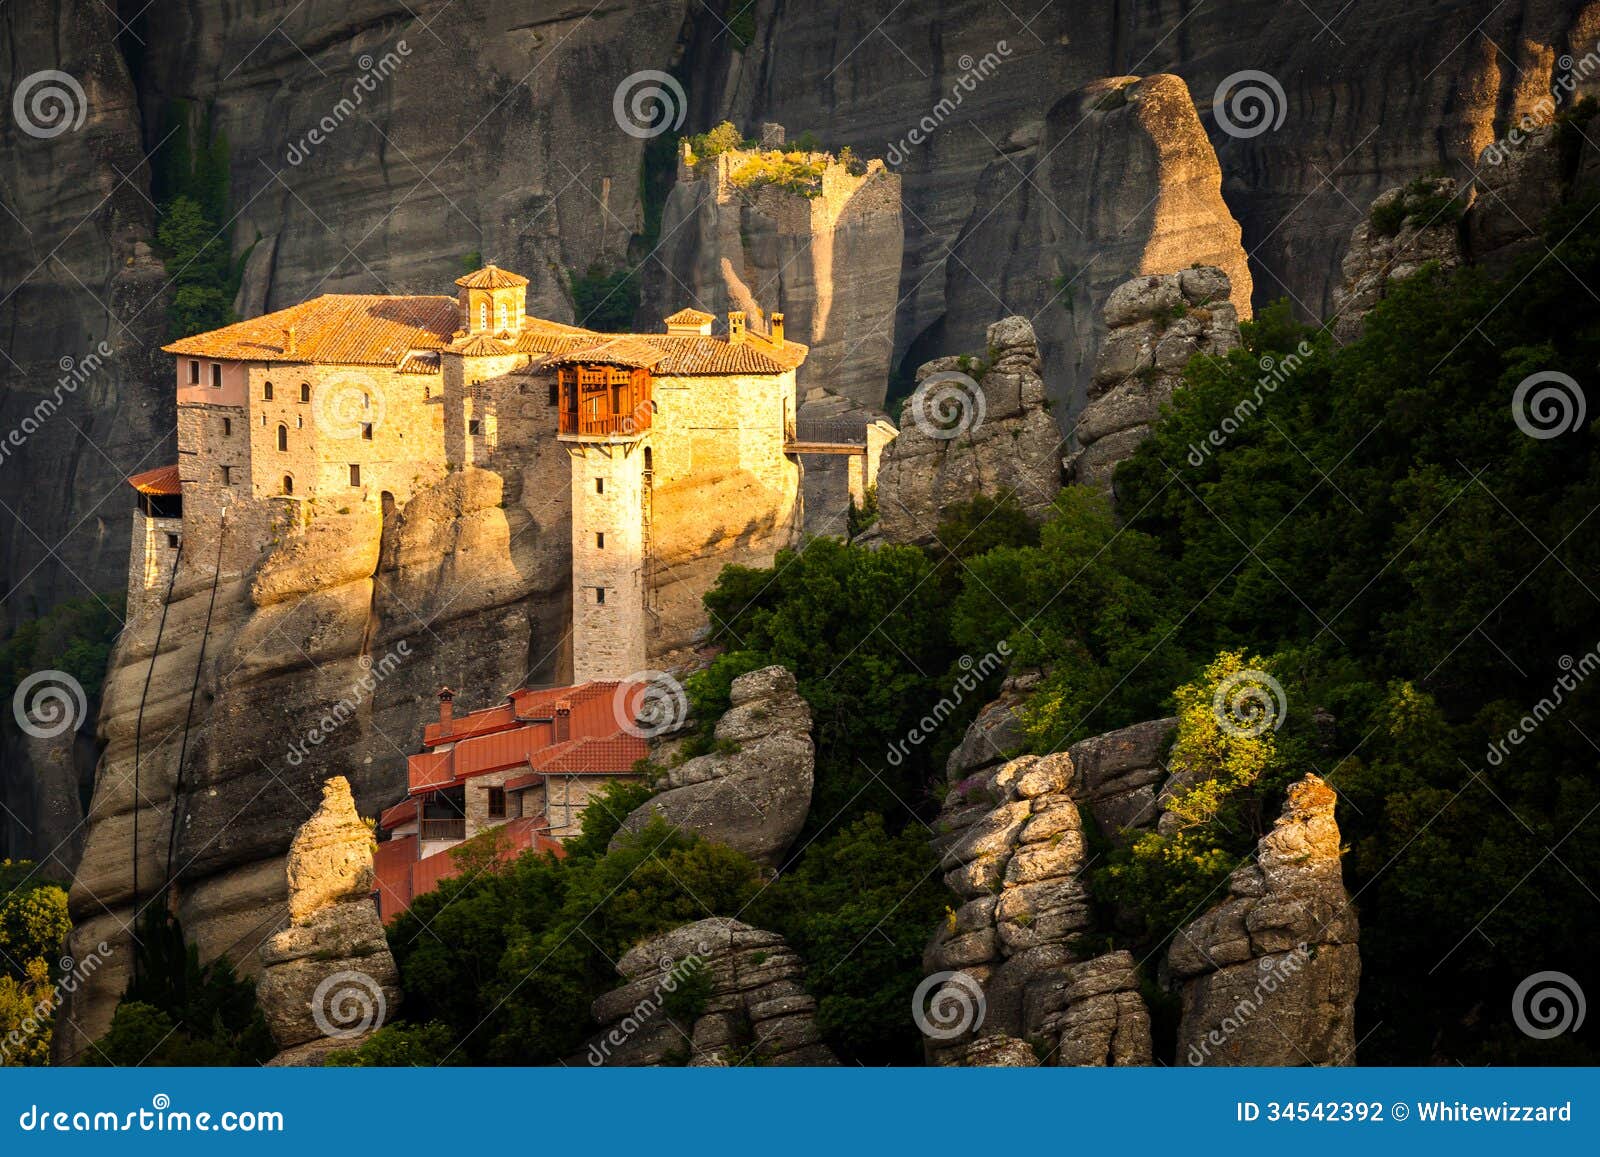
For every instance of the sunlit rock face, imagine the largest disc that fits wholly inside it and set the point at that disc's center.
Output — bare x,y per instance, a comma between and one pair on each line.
1269,976
1120,180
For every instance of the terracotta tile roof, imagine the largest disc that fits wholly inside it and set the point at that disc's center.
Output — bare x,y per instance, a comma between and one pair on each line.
481,345
392,864
334,329
491,276
163,480
402,813
530,833
689,317
594,756
620,350
420,363
545,337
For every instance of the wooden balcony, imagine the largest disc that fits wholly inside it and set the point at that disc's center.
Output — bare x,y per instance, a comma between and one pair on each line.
605,401
444,829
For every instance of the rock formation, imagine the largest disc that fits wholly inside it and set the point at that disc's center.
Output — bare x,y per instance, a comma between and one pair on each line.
713,993
1154,325
1269,976
829,260
1119,180
1012,845
975,425
1405,229
831,482
328,980
755,797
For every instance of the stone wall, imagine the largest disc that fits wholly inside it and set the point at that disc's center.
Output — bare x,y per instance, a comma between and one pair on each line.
152,559
608,592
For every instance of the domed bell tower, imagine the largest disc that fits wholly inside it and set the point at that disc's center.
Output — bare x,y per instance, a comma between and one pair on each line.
492,300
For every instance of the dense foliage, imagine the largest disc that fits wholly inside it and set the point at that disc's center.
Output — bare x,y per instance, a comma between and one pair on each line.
75,637
33,931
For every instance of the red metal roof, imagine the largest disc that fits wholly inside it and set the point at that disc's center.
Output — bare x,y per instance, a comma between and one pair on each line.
163,480
402,813
402,879
392,864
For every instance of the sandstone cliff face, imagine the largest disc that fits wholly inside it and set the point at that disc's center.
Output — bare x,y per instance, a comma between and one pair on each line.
975,425
752,1006
755,797
1269,976
1154,325
830,263
328,980
324,648
1119,180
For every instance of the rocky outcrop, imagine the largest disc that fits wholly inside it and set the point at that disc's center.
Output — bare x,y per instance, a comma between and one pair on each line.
328,980
828,258
830,483
1269,976
714,993
975,425
1154,325
1012,845
1405,229
1119,180
754,797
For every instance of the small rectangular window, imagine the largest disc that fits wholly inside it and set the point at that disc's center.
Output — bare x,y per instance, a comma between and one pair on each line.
216,376
194,373
227,475
355,474
600,540
172,541
266,391
497,803
227,427
600,596
475,428
599,485
555,394
366,430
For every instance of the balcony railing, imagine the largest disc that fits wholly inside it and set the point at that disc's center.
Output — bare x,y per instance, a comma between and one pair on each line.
444,829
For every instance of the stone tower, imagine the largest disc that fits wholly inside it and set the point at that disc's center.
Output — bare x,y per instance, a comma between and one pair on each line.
610,510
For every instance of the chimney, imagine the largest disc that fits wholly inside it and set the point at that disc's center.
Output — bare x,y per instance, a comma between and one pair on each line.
288,341
777,330
563,721
447,699
736,327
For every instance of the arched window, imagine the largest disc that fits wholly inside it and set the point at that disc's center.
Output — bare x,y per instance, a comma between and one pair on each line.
305,391
483,315
266,391
283,437
288,483
503,322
